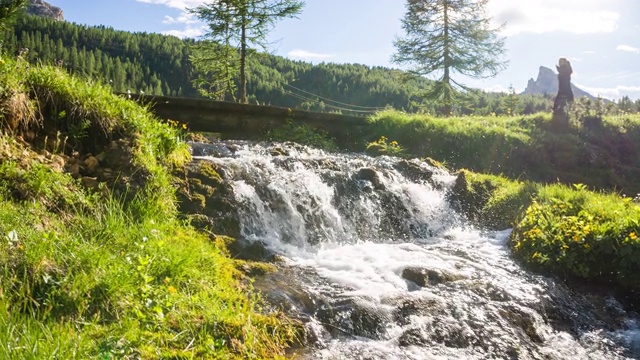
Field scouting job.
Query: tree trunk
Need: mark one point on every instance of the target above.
(446, 79)
(243, 61)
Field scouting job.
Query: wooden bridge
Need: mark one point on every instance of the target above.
(243, 121)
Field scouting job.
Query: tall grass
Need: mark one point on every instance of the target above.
(564, 230)
(97, 275)
(600, 154)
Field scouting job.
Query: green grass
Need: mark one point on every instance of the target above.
(568, 231)
(601, 154)
(577, 233)
(110, 274)
(302, 134)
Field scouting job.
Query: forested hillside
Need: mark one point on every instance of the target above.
(152, 63)
(159, 64)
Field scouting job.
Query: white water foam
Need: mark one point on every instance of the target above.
(488, 303)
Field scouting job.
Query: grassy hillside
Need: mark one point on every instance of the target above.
(94, 261)
(601, 152)
(563, 230)
(519, 165)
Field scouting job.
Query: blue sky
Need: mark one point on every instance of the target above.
(600, 37)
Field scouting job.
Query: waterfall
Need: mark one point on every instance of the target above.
(379, 265)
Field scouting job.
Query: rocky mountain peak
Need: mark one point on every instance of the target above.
(547, 83)
(43, 8)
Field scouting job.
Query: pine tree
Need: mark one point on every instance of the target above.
(9, 11)
(445, 36)
(240, 23)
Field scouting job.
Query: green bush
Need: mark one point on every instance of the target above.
(492, 201)
(383, 146)
(302, 134)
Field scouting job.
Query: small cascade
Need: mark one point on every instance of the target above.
(379, 265)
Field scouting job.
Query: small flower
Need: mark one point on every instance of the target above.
(633, 236)
(172, 290)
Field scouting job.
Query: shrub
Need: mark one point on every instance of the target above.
(302, 134)
(383, 146)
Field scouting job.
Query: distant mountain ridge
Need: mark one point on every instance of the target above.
(44, 9)
(547, 83)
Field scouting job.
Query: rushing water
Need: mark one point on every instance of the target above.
(379, 265)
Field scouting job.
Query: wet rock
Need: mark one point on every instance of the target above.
(451, 334)
(213, 149)
(234, 148)
(105, 174)
(201, 190)
(413, 337)
(327, 164)
(413, 171)
(90, 182)
(490, 291)
(354, 317)
(284, 290)
(74, 170)
(199, 221)
(524, 319)
(372, 176)
(91, 163)
(408, 307)
(278, 151)
(117, 154)
(424, 276)
(57, 163)
(250, 250)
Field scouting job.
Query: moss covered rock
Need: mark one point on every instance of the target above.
(202, 191)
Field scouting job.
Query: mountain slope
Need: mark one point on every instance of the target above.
(547, 83)
(43, 8)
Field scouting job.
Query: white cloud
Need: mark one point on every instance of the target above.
(176, 4)
(497, 88)
(544, 16)
(184, 18)
(613, 93)
(188, 32)
(307, 55)
(628, 49)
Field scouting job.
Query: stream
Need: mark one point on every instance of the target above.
(377, 263)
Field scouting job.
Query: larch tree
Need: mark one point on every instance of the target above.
(235, 24)
(9, 11)
(447, 36)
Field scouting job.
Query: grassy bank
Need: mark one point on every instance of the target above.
(562, 230)
(599, 152)
(539, 184)
(94, 261)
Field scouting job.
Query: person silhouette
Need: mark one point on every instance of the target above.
(565, 94)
